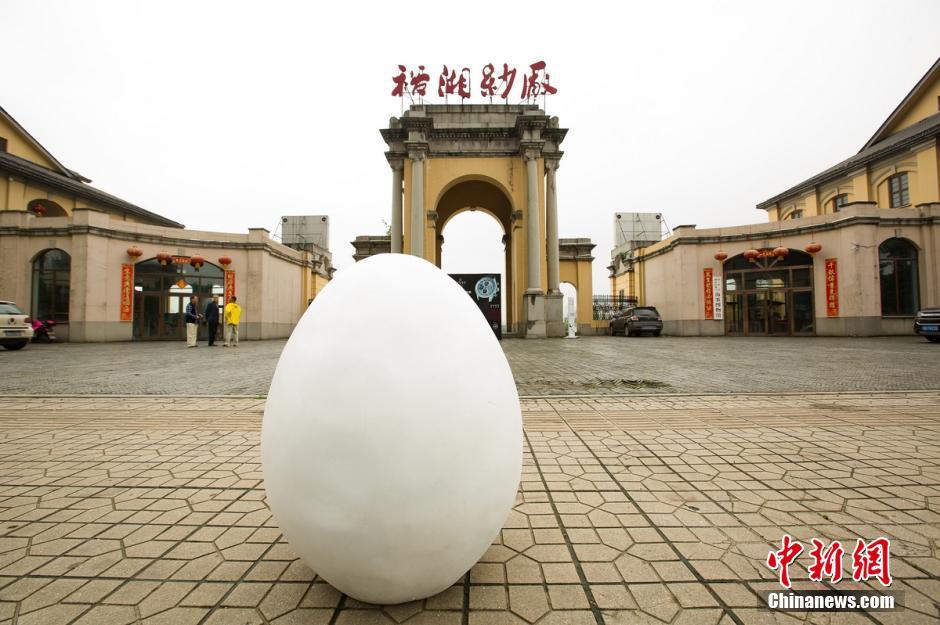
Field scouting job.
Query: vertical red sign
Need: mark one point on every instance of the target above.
(127, 291)
(229, 285)
(832, 288)
(709, 294)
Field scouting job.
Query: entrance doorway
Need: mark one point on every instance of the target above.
(770, 296)
(161, 295)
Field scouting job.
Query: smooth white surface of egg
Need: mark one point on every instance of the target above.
(392, 435)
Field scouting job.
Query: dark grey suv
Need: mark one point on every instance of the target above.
(927, 324)
(633, 321)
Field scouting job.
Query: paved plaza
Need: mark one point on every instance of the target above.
(654, 485)
(632, 509)
(593, 365)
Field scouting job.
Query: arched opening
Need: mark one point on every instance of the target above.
(569, 307)
(471, 243)
(897, 261)
(473, 223)
(161, 294)
(769, 296)
(46, 208)
(52, 274)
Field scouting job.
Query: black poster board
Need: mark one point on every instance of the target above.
(485, 289)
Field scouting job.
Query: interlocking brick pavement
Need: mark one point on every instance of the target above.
(631, 509)
(592, 365)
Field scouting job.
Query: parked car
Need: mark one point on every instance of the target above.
(16, 328)
(633, 321)
(927, 324)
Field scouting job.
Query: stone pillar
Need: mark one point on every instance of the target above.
(534, 278)
(417, 204)
(551, 225)
(397, 170)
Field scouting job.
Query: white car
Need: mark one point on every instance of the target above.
(16, 328)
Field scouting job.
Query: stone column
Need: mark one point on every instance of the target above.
(551, 225)
(417, 204)
(397, 170)
(534, 279)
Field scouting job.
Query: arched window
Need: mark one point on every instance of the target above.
(51, 275)
(899, 292)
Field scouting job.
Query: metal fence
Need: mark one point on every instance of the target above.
(606, 305)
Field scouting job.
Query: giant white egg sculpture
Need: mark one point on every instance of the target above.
(392, 436)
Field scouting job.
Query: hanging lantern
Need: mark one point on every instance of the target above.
(721, 256)
(39, 209)
(751, 255)
(781, 252)
(813, 248)
(197, 261)
(164, 259)
(225, 261)
(134, 252)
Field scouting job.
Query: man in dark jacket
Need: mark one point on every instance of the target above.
(212, 318)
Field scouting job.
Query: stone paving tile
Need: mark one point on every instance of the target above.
(588, 365)
(639, 509)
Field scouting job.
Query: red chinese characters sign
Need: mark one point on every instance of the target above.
(494, 80)
(229, 285)
(832, 288)
(709, 294)
(127, 291)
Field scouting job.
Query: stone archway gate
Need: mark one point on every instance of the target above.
(514, 149)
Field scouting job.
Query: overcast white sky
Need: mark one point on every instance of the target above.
(226, 115)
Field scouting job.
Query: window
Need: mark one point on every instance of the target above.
(898, 190)
(51, 275)
(839, 201)
(3, 144)
(898, 275)
(797, 214)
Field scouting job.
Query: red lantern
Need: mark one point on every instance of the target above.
(721, 256)
(781, 252)
(164, 259)
(225, 261)
(751, 255)
(39, 209)
(197, 261)
(134, 252)
(813, 248)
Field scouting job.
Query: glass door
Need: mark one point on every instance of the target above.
(778, 312)
(757, 313)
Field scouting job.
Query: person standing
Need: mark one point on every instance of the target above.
(212, 318)
(192, 320)
(233, 314)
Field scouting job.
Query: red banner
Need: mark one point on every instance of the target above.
(832, 288)
(127, 291)
(709, 294)
(229, 285)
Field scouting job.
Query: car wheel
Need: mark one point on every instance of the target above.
(933, 339)
(657, 332)
(15, 346)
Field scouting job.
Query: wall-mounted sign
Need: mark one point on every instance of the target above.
(832, 287)
(709, 298)
(718, 305)
(127, 291)
(460, 82)
(484, 289)
(181, 260)
(229, 285)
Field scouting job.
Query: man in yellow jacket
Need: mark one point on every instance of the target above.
(233, 314)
